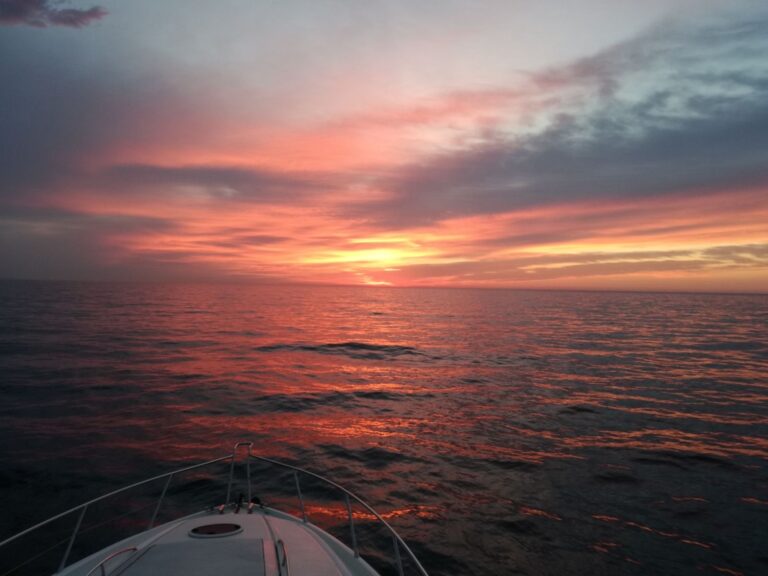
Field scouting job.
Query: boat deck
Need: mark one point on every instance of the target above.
(264, 542)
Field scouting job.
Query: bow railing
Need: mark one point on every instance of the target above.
(398, 543)
(79, 512)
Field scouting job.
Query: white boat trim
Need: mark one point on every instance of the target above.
(259, 523)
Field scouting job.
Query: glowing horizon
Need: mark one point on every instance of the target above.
(396, 147)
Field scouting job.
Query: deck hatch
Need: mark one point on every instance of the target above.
(236, 557)
(215, 530)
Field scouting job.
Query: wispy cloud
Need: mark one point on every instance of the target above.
(219, 183)
(43, 13)
(682, 108)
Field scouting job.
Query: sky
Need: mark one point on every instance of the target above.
(592, 144)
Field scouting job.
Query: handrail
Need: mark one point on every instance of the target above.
(397, 540)
(108, 558)
(362, 502)
(282, 558)
(108, 495)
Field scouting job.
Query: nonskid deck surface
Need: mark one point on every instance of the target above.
(270, 543)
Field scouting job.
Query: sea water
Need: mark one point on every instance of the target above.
(500, 432)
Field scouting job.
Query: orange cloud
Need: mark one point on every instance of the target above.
(652, 242)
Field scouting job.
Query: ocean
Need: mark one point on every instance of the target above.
(500, 432)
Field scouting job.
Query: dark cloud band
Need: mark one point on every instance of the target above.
(43, 13)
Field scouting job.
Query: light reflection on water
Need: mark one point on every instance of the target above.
(537, 432)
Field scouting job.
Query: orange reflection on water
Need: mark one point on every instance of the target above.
(649, 530)
(724, 570)
(752, 500)
(673, 440)
(732, 418)
(605, 518)
(321, 512)
(605, 547)
(531, 511)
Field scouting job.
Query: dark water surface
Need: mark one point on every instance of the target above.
(500, 432)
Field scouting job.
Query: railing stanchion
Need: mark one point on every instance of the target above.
(301, 498)
(398, 558)
(248, 472)
(413, 562)
(72, 539)
(247, 469)
(352, 526)
(231, 475)
(160, 502)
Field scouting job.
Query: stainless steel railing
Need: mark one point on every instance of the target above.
(397, 541)
(81, 509)
(101, 565)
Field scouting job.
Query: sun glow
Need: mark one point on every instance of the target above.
(393, 254)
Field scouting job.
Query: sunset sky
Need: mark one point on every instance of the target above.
(505, 143)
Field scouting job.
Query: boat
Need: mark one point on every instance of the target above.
(239, 535)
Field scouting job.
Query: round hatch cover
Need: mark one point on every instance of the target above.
(215, 530)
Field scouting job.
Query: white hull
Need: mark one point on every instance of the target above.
(271, 543)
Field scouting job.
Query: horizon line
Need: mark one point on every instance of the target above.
(241, 282)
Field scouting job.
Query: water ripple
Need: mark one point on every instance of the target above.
(500, 432)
